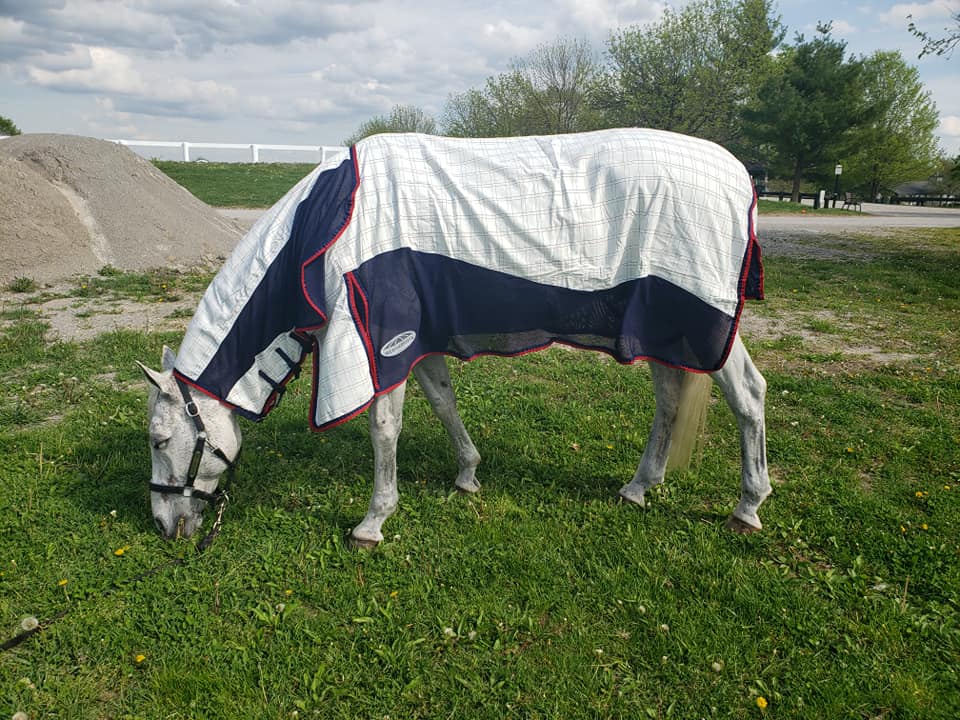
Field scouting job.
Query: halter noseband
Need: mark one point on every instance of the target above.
(218, 496)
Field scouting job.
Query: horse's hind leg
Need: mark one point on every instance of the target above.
(745, 389)
(434, 377)
(386, 421)
(666, 387)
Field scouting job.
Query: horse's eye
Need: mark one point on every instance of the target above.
(161, 444)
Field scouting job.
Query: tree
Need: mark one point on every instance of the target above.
(498, 110)
(899, 144)
(937, 46)
(542, 94)
(808, 109)
(558, 77)
(693, 71)
(403, 118)
(7, 127)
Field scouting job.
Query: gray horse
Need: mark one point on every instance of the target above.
(406, 248)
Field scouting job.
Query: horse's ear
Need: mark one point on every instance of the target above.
(169, 359)
(160, 381)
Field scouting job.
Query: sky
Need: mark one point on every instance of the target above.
(311, 71)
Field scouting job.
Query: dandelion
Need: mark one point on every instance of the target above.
(394, 594)
(761, 702)
(902, 529)
(716, 666)
(120, 551)
(288, 592)
(609, 447)
(923, 527)
(29, 624)
(946, 487)
(63, 583)
(139, 659)
(849, 449)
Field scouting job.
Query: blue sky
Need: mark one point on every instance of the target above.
(309, 72)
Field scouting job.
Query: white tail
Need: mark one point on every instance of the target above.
(691, 420)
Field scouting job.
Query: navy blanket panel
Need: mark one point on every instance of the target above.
(464, 310)
(277, 301)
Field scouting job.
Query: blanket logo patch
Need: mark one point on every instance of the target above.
(397, 344)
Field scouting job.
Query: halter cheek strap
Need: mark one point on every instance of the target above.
(188, 490)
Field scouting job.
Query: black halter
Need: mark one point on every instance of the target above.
(218, 496)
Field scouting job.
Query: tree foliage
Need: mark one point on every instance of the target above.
(937, 45)
(899, 143)
(7, 127)
(403, 118)
(542, 94)
(808, 109)
(693, 71)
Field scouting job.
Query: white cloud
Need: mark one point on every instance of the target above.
(598, 17)
(102, 70)
(842, 28)
(896, 16)
(950, 126)
(506, 36)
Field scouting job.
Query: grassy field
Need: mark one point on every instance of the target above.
(236, 184)
(542, 597)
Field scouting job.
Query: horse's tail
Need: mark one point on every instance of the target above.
(691, 420)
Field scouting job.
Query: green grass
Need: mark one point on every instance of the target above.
(775, 207)
(541, 597)
(236, 184)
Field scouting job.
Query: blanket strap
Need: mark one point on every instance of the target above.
(279, 388)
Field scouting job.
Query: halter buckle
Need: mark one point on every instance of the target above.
(191, 409)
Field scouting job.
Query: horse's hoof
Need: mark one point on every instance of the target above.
(362, 543)
(467, 487)
(632, 497)
(739, 526)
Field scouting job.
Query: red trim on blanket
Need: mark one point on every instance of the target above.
(469, 358)
(341, 231)
(203, 390)
(362, 324)
(752, 245)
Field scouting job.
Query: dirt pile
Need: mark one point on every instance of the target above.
(71, 204)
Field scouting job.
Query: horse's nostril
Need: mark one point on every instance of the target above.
(159, 524)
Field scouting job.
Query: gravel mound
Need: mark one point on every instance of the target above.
(71, 205)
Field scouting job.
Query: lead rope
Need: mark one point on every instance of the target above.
(201, 546)
(222, 498)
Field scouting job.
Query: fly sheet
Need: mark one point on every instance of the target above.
(637, 243)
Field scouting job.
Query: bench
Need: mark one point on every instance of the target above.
(852, 201)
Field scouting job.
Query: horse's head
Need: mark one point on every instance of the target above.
(190, 434)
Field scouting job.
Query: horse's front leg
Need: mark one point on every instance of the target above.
(434, 377)
(745, 390)
(386, 421)
(666, 387)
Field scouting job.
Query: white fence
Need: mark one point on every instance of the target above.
(318, 152)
